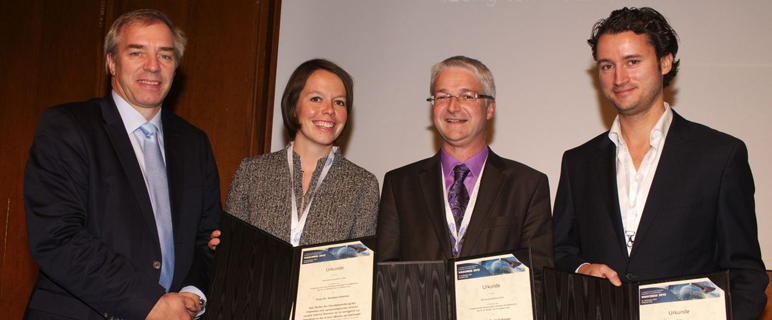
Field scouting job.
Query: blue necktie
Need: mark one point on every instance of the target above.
(155, 175)
(458, 198)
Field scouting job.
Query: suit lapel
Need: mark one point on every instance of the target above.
(607, 183)
(666, 177)
(490, 187)
(175, 169)
(431, 185)
(116, 131)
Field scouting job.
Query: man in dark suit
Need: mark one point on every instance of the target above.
(465, 200)
(121, 196)
(657, 195)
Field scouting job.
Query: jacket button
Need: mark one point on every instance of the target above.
(157, 265)
(630, 277)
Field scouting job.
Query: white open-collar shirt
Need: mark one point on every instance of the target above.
(633, 185)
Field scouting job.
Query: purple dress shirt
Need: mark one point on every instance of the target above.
(474, 163)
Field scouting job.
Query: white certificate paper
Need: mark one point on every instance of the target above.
(335, 282)
(681, 300)
(495, 287)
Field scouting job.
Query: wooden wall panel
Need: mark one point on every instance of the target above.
(47, 59)
(51, 53)
(49, 50)
(265, 76)
(17, 278)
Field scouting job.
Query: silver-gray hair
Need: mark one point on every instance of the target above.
(478, 68)
(144, 17)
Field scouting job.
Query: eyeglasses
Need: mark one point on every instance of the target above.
(466, 97)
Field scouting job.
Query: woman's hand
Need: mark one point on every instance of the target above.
(215, 240)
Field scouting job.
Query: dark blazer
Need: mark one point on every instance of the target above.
(512, 212)
(699, 216)
(90, 221)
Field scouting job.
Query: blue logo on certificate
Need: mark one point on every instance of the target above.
(336, 253)
(680, 292)
(487, 268)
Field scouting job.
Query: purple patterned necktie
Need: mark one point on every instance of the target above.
(458, 198)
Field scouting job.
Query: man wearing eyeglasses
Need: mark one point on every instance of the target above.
(465, 200)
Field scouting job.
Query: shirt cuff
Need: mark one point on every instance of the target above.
(577, 268)
(197, 292)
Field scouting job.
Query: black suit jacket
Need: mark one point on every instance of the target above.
(512, 212)
(90, 222)
(699, 216)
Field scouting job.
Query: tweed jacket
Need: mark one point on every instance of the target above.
(345, 205)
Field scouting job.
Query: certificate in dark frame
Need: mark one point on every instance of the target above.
(574, 296)
(256, 274)
(417, 290)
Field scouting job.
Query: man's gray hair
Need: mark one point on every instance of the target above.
(478, 68)
(144, 17)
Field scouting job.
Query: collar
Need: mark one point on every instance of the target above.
(658, 132)
(475, 162)
(132, 119)
(295, 155)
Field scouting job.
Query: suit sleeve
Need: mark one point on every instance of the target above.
(203, 257)
(56, 191)
(388, 224)
(738, 243)
(537, 234)
(367, 209)
(537, 230)
(566, 240)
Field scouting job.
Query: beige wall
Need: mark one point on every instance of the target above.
(547, 98)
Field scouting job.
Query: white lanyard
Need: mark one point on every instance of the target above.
(458, 235)
(299, 223)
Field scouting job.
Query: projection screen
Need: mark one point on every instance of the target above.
(547, 99)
